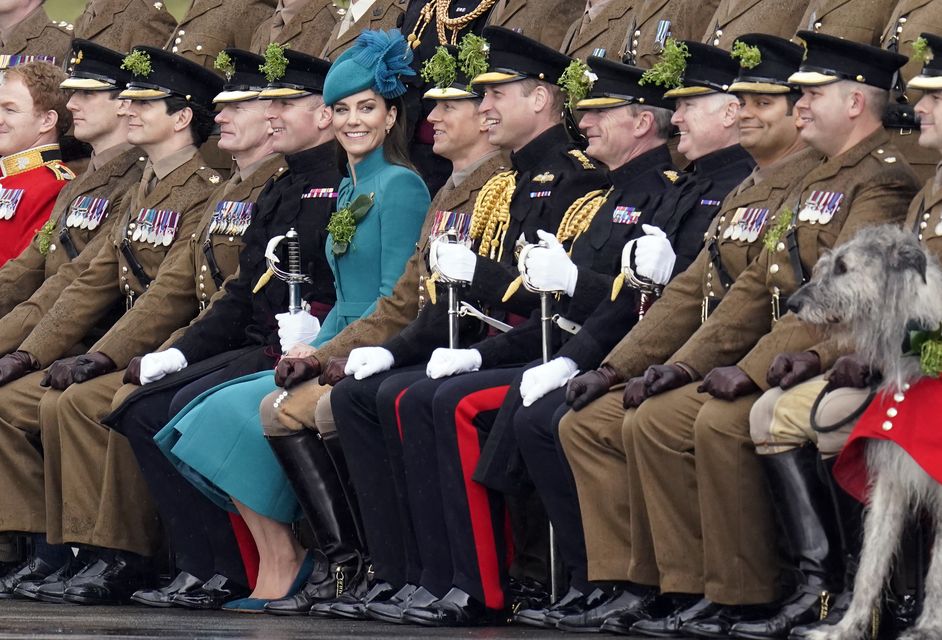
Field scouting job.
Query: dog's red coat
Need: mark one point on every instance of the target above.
(912, 419)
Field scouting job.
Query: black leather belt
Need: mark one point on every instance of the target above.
(133, 264)
(65, 240)
(213, 265)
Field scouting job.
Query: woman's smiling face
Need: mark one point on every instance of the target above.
(360, 123)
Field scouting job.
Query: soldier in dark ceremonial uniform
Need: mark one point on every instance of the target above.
(237, 335)
(544, 22)
(426, 27)
(27, 30)
(158, 216)
(363, 15)
(711, 525)
(121, 24)
(31, 171)
(303, 25)
(548, 175)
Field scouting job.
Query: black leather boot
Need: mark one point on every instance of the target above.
(806, 517)
(328, 504)
(850, 531)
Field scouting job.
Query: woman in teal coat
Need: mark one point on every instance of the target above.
(217, 440)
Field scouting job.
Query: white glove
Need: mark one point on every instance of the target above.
(155, 366)
(450, 362)
(654, 256)
(294, 328)
(453, 261)
(539, 381)
(364, 362)
(548, 268)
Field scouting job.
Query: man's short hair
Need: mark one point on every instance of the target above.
(42, 79)
(662, 119)
(528, 85)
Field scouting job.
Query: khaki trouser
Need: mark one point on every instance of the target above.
(706, 497)
(306, 406)
(23, 497)
(781, 421)
(96, 493)
(603, 470)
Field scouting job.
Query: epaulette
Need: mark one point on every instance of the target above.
(582, 159)
(210, 175)
(61, 171)
(881, 154)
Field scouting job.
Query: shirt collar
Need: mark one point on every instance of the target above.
(457, 177)
(101, 159)
(165, 166)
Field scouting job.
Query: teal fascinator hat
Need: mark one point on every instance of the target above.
(377, 60)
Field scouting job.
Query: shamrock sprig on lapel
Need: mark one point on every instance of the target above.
(343, 223)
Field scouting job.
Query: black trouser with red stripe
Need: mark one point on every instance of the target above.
(365, 414)
(444, 425)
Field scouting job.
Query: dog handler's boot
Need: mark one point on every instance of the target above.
(807, 518)
(321, 492)
(849, 527)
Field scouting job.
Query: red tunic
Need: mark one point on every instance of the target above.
(909, 419)
(31, 181)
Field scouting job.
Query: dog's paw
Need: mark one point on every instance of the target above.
(827, 632)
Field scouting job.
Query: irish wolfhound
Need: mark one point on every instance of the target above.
(865, 292)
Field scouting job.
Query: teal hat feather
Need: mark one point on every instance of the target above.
(377, 60)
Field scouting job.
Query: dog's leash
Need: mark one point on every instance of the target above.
(852, 417)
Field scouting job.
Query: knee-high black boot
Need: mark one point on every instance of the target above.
(322, 492)
(807, 519)
(849, 527)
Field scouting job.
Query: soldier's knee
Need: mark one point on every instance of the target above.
(760, 416)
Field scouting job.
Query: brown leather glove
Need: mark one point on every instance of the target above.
(333, 372)
(68, 371)
(132, 374)
(850, 371)
(789, 369)
(292, 371)
(590, 386)
(635, 393)
(727, 383)
(15, 365)
(659, 378)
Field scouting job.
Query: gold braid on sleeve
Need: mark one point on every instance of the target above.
(491, 215)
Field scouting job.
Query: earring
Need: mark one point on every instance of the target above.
(388, 129)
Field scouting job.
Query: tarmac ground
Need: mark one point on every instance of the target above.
(23, 619)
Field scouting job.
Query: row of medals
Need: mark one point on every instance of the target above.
(83, 217)
(746, 230)
(156, 235)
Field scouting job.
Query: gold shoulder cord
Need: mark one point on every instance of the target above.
(439, 8)
(575, 221)
(491, 215)
(580, 215)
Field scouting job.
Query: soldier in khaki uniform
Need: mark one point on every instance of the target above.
(302, 25)
(159, 215)
(362, 15)
(908, 20)
(81, 220)
(210, 26)
(709, 516)
(857, 20)
(618, 544)
(601, 29)
(121, 24)
(736, 17)
(654, 20)
(546, 22)
(820, 520)
(26, 29)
